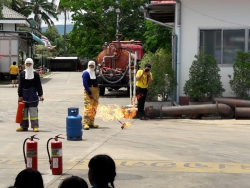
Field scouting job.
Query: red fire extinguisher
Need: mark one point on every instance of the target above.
(56, 160)
(20, 111)
(31, 152)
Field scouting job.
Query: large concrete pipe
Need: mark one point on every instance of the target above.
(242, 112)
(233, 102)
(221, 109)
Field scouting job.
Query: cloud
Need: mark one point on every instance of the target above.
(60, 20)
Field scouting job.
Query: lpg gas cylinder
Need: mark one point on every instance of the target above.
(74, 124)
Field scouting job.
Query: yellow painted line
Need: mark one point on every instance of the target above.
(141, 165)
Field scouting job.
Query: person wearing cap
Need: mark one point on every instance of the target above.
(91, 96)
(30, 91)
(13, 74)
(143, 79)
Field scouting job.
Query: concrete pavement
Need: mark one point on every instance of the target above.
(155, 153)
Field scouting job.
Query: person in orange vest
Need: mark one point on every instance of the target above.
(13, 74)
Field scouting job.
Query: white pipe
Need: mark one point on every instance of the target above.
(134, 82)
(178, 33)
(130, 78)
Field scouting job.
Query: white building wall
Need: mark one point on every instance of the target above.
(9, 27)
(212, 14)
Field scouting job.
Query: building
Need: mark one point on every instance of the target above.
(222, 27)
(18, 36)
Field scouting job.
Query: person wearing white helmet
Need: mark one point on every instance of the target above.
(91, 96)
(30, 91)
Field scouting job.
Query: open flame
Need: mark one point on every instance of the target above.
(112, 112)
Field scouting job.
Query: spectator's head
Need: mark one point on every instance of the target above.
(14, 63)
(73, 182)
(102, 171)
(29, 178)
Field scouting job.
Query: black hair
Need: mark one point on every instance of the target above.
(29, 178)
(147, 65)
(104, 170)
(14, 63)
(73, 181)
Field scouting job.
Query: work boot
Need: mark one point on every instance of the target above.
(86, 127)
(36, 130)
(20, 129)
(94, 126)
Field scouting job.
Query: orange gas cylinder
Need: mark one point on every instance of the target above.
(20, 111)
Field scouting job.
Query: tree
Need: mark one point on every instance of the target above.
(204, 78)
(42, 10)
(65, 11)
(240, 83)
(164, 80)
(16, 5)
(95, 23)
(52, 34)
(157, 36)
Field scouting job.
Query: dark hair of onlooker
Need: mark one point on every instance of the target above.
(14, 63)
(73, 182)
(147, 65)
(102, 171)
(29, 178)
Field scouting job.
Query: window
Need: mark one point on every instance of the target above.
(223, 44)
(1, 27)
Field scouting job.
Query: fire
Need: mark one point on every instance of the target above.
(109, 112)
(129, 113)
(112, 112)
(126, 124)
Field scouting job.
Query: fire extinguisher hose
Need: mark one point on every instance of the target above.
(48, 151)
(25, 160)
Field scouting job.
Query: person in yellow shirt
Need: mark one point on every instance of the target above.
(143, 79)
(13, 74)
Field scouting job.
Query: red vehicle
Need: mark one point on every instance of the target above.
(116, 62)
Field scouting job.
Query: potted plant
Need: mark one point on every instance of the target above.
(204, 79)
(164, 80)
(240, 83)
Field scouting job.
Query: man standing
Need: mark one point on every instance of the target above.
(143, 79)
(13, 74)
(30, 91)
(91, 96)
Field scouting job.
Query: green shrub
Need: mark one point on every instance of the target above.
(240, 84)
(163, 84)
(204, 78)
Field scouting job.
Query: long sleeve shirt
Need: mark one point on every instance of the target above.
(26, 84)
(87, 82)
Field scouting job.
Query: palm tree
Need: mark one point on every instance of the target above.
(16, 5)
(42, 10)
(65, 11)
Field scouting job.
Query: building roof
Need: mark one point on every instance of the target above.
(161, 11)
(11, 14)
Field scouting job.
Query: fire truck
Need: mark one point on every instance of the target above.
(117, 63)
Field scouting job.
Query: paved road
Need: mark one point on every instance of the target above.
(173, 153)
